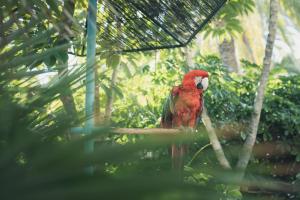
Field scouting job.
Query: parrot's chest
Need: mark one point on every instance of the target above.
(190, 100)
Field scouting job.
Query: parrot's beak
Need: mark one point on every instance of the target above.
(204, 82)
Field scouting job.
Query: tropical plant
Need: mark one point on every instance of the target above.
(226, 27)
(38, 161)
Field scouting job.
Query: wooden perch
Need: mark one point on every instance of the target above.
(147, 131)
(133, 131)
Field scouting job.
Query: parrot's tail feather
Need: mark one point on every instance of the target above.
(178, 156)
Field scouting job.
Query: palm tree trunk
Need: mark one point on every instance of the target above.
(1, 25)
(199, 42)
(110, 96)
(97, 112)
(67, 99)
(66, 96)
(248, 46)
(244, 157)
(188, 53)
(228, 54)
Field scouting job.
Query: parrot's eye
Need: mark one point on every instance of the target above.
(197, 81)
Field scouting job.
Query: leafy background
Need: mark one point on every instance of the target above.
(38, 160)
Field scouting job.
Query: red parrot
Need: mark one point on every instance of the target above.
(183, 108)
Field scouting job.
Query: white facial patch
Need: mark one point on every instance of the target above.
(197, 80)
(204, 82)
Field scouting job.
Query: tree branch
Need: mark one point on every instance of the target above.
(246, 152)
(214, 140)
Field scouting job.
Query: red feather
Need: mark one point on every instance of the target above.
(183, 108)
(185, 102)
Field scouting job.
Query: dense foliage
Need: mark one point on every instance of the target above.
(229, 101)
(40, 159)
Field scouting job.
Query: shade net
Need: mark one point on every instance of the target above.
(140, 25)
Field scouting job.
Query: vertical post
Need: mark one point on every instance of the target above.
(90, 76)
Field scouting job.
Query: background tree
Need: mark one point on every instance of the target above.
(258, 103)
(225, 27)
(65, 36)
(112, 62)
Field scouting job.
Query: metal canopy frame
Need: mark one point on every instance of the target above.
(130, 13)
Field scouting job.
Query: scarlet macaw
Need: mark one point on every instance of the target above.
(183, 108)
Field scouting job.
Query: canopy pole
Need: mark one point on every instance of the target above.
(90, 76)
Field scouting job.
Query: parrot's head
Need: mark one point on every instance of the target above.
(196, 79)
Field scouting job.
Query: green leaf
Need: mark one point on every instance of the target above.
(298, 158)
(105, 88)
(235, 194)
(53, 6)
(62, 56)
(50, 60)
(36, 63)
(113, 60)
(243, 135)
(207, 33)
(118, 91)
(126, 70)
(146, 69)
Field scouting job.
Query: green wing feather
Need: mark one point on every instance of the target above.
(199, 114)
(168, 111)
